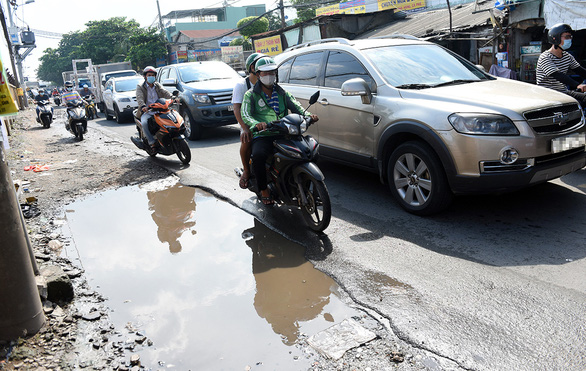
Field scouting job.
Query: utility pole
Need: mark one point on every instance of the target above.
(163, 33)
(283, 24)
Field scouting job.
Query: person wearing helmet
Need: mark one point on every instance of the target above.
(146, 94)
(41, 95)
(69, 94)
(554, 64)
(85, 91)
(266, 102)
(245, 134)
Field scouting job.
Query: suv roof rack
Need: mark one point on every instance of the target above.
(397, 36)
(340, 40)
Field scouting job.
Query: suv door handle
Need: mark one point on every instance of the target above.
(324, 102)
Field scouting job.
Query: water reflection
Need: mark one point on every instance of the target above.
(289, 290)
(173, 210)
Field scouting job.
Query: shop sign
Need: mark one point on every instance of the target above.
(191, 56)
(232, 54)
(328, 10)
(181, 56)
(173, 58)
(269, 45)
(401, 4)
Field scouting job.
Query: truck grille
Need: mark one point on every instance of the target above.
(553, 120)
(221, 98)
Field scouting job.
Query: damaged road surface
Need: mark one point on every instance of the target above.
(207, 284)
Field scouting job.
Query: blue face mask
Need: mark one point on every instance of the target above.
(150, 79)
(567, 44)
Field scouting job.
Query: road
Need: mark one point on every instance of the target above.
(494, 283)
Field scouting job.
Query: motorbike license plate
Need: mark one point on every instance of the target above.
(568, 142)
(230, 108)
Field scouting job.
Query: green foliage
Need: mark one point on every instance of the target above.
(274, 20)
(259, 26)
(147, 45)
(244, 41)
(110, 40)
(304, 13)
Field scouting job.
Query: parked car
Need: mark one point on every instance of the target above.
(120, 97)
(205, 91)
(429, 122)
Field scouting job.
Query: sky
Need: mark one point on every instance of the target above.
(62, 17)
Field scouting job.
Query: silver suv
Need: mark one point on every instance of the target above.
(429, 122)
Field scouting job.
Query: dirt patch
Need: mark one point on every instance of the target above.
(78, 333)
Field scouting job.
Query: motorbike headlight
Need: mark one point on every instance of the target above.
(303, 127)
(293, 129)
(124, 99)
(201, 98)
(482, 124)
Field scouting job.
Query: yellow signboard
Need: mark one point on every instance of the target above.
(328, 10)
(400, 4)
(269, 45)
(7, 105)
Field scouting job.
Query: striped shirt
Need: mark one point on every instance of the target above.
(273, 101)
(547, 64)
(69, 96)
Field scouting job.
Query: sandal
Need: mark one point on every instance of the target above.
(243, 183)
(268, 201)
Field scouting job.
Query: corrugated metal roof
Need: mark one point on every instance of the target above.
(434, 22)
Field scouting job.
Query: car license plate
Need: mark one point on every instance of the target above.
(568, 142)
(230, 108)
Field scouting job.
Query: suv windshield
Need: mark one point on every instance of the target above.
(128, 85)
(422, 66)
(206, 71)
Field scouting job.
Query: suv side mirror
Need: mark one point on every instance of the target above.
(242, 73)
(357, 86)
(168, 82)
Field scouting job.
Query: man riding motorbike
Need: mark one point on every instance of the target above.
(41, 96)
(264, 103)
(554, 64)
(146, 94)
(69, 94)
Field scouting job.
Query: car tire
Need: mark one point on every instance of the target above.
(193, 130)
(118, 115)
(417, 179)
(108, 115)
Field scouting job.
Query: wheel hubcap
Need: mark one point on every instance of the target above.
(412, 179)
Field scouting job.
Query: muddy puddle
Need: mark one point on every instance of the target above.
(206, 282)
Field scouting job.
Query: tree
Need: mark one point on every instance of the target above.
(274, 21)
(244, 41)
(259, 26)
(306, 12)
(147, 45)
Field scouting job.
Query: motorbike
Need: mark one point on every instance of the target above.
(45, 116)
(293, 178)
(76, 122)
(57, 99)
(168, 129)
(90, 107)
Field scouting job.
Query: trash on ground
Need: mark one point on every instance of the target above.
(30, 210)
(334, 341)
(36, 168)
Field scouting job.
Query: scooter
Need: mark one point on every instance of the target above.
(293, 178)
(76, 122)
(168, 130)
(45, 116)
(90, 107)
(57, 100)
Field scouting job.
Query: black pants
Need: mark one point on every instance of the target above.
(579, 96)
(262, 148)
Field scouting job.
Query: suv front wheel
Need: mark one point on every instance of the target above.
(417, 179)
(193, 130)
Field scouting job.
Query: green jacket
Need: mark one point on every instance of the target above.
(255, 108)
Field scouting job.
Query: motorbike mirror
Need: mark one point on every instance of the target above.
(176, 93)
(314, 98)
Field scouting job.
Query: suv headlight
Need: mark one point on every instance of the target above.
(482, 124)
(124, 100)
(201, 98)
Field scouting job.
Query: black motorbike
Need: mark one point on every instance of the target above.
(57, 100)
(293, 178)
(45, 116)
(76, 122)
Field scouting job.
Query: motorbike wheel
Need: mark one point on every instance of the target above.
(318, 211)
(46, 122)
(79, 132)
(182, 150)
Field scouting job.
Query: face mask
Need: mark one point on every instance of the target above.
(150, 79)
(567, 44)
(268, 80)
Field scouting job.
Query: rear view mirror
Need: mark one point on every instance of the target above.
(357, 86)
(168, 82)
(314, 98)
